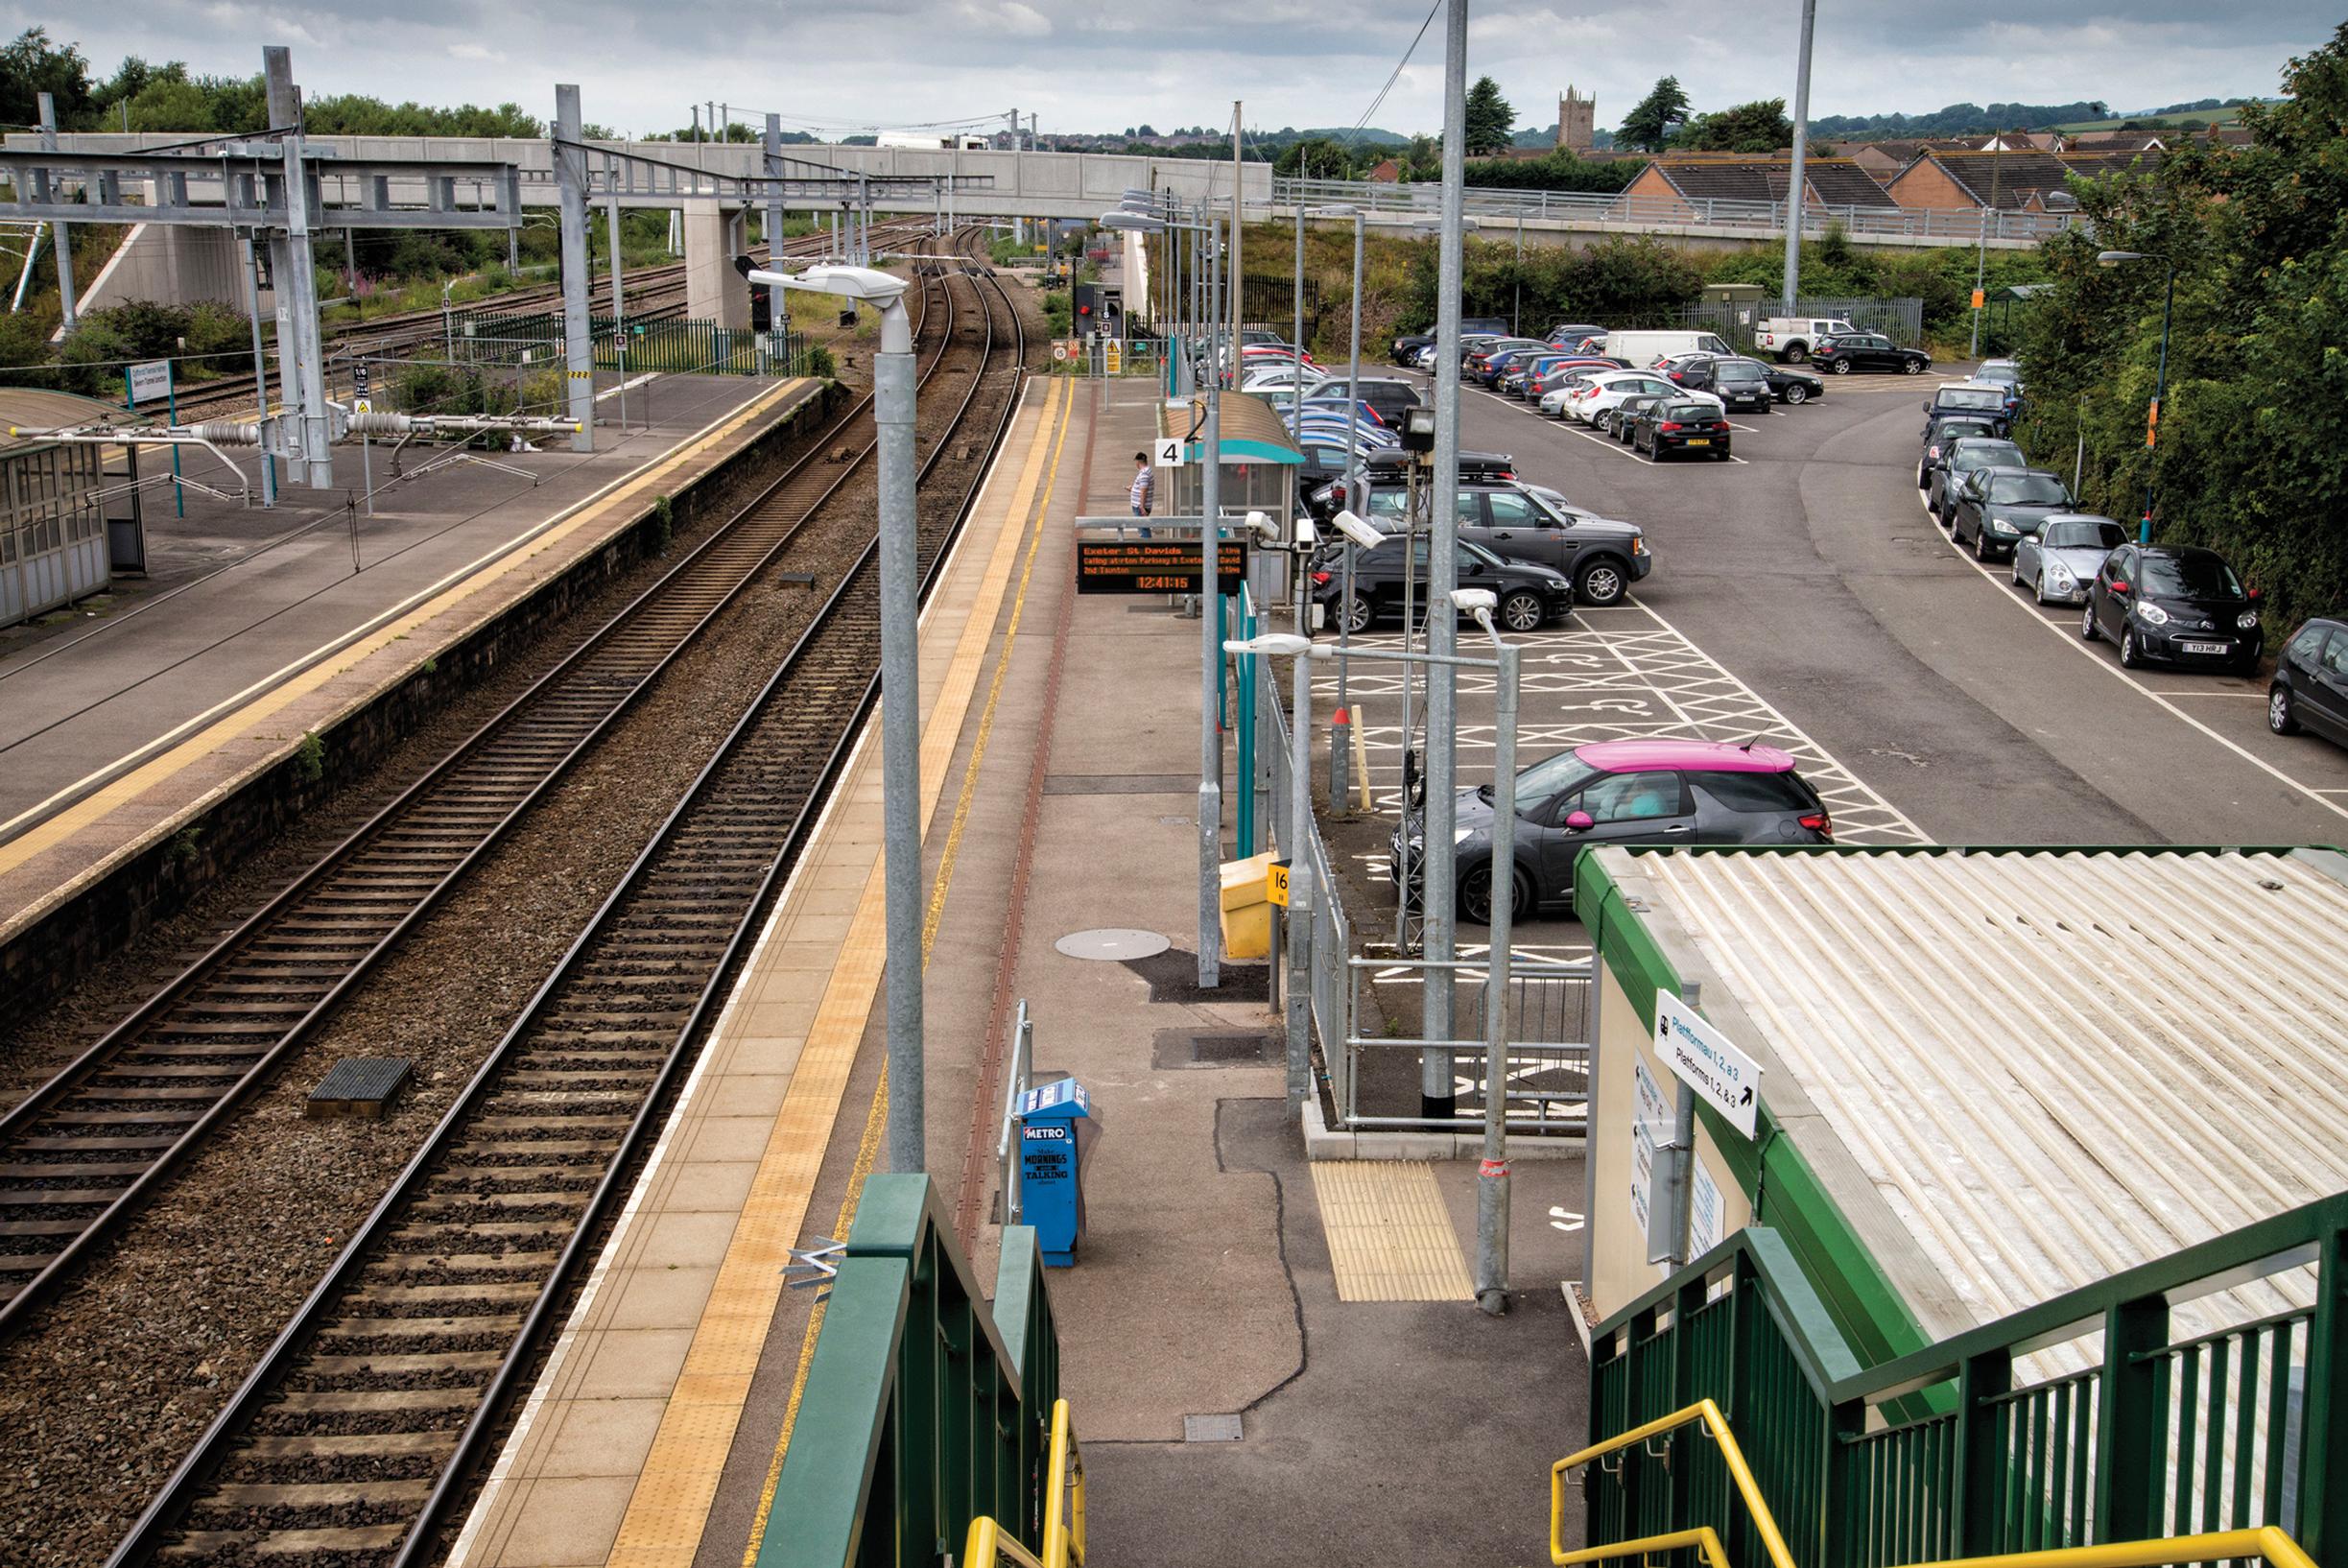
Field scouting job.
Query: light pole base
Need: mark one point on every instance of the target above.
(1438, 1109)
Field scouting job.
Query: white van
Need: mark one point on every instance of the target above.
(1640, 349)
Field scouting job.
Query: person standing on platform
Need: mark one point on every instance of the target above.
(1144, 480)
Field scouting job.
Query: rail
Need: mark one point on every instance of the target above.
(926, 1412)
(1703, 1414)
(1006, 1138)
(1632, 213)
(2199, 1392)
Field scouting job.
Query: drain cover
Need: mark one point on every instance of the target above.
(1115, 943)
(1210, 1429)
(360, 1086)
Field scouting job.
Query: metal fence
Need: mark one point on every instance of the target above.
(665, 343)
(1901, 320)
(1634, 213)
(1106, 358)
(1547, 1062)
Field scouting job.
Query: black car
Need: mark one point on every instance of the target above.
(1404, 350)
(1994, 508)
(1944, 434)
(1627, 413)
(2173, 606)
(1665, 426)
(1599, 555)
(1737, 382)
(1529, 596)
(2309, 690)
(1793, 386)
(1961, 458)
(1868, 351)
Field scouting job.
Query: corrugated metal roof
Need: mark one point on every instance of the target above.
(2049, 1066)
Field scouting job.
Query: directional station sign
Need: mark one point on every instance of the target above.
(1702, 1058)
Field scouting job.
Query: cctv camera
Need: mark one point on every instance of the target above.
(1468, 601)
(1307, 535)
(1358, 530)
(1261, 525)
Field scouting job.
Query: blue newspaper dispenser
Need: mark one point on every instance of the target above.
(1052, 1165)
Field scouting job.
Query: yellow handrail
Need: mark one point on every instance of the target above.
(1063, 1543)
(2267, 1541)
(1716, 1423)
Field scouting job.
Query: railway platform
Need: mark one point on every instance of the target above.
(125, 720)
(1241, 1325)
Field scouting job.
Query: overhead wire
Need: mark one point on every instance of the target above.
(1399, 67)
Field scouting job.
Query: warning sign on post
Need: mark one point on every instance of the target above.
(1723, 1077)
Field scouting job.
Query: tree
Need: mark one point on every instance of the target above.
(30, 66)
(1758, 127)
(1316, 158)
(1489, 118)
(1650, 125)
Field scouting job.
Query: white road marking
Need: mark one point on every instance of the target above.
(2070, 639)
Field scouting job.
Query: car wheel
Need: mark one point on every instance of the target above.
(1603, 420)
(1601, 582)
(1842, 366)
(2131, 655)
(1359, 613)
(2279, 710)
(1924, 477)
(2089, 631)
(1914, 366)
(1475, 900)
(1797, 394)
(1980, 546)
(1796, 353)
(1522, 611)
(2016, 573)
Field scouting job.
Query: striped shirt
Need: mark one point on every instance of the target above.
(1141, 492)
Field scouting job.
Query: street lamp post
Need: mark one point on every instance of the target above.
(1492, 1174)
(1340, 757)
(892, 413)
(2160, 381)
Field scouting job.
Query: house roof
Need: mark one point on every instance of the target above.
(1837, 182)
(2015, 179)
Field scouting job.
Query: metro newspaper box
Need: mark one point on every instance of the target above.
(1052, 1151)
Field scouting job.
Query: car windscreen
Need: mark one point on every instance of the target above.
(1955, 430)
(1739, 369)
(2084, 536)
(2029, 490)
(1968, 397)
(2004, 375)
(2190, 577)
(1549, 779)
(1697, 413)
(1479, 554)
(1981, 453)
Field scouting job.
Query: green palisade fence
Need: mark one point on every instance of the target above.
(673, 345)
(924, 1408)
(1946, 1452)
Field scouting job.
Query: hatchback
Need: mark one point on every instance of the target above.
(1640, 792)
(2309, 690)
(2179, 606)
(1672, 426)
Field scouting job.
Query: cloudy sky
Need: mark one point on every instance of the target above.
(1107, 65)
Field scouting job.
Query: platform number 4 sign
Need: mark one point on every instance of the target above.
(1169, 453)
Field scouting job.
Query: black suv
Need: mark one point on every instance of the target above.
(1529, 596)
(2179, 606)
(1389, 470)
(1406, 347)
(1599, 555)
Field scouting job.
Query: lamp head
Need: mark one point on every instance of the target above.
(865, 283)
(2115, 258)
(1138, 221)
(1474, 601)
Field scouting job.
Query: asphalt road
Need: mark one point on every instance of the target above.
(1809, 569)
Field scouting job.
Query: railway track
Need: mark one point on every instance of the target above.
(361, 1429)
(83, 1152)
(653, 292)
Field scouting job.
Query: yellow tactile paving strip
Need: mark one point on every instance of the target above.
(652, 1375)
(627, 491)
(1389, 1237)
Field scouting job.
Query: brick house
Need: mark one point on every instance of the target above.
(1830, 184)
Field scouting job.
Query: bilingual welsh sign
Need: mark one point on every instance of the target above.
(1152, 565)
(1702, 1058)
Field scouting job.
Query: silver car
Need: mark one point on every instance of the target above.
(2059, 561)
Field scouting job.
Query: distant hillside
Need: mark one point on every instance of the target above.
(1366, 137)
(1957, 120)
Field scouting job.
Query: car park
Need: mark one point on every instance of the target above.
(1487, 363)
(1868, 351)
(1996, 507)
(2059, 561)
(1602, 557)
(1575, 335)
(1564, 371)
(2173, 605)
(2310, 689)
(1671, 426)
(1407, 348)
(1617, 792)
(1529, 597)
(1391, 397)
(1388, 469)
(1942, 435)
(1962, 459)
(1627, 413)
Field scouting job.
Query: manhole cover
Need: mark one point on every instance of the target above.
(1210, 1429)
(1115, 943)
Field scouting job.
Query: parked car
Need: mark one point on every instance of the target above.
(1736, 381)
(1868, 351)
(1487, 363)
(1963, 457)
(1997, 507)
(2059, 561)
(1391, 397)
(1612, 793)
(1405, 348)
(1626, 416)
(1561, 371)
(1598, 396)
(1572, 335)
(2309, 690)
(1646, 347)
(1789, 338)
(1389, 470)
(1968, 399)
(1942, 435)
(1531, 596)
(1793, 386)
(1532, 523)
(2005, 373)
(1672, 425)
(2173, 605)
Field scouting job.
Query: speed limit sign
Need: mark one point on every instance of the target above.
(1059, 351)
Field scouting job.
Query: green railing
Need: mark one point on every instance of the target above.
(923, 1408)
(673, 345)
(2085, 1421)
